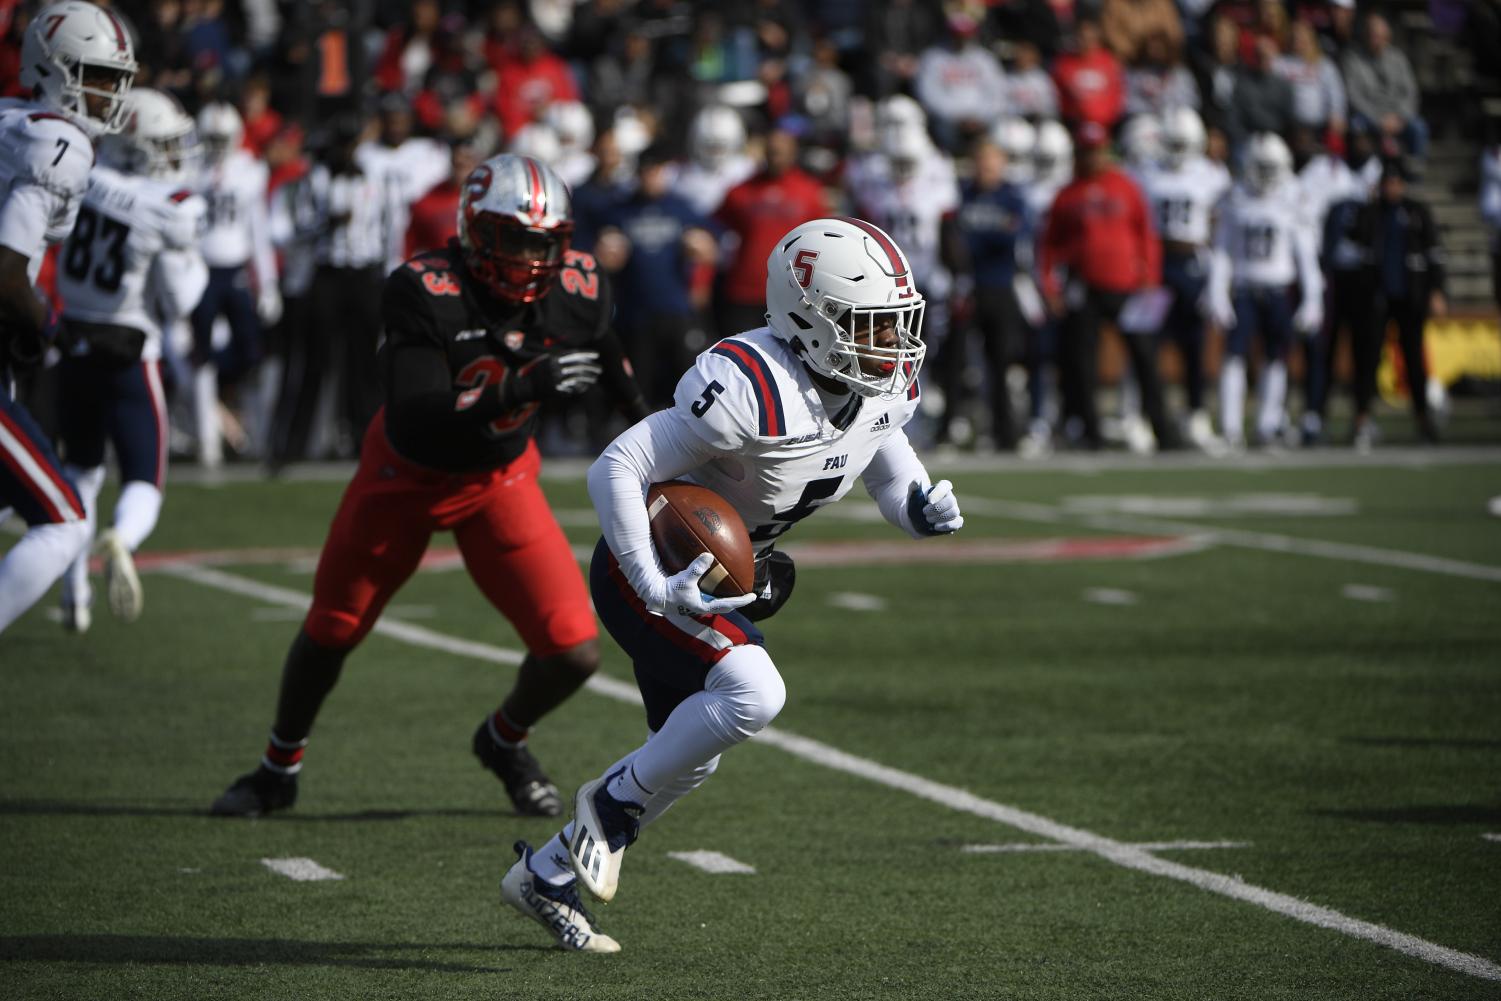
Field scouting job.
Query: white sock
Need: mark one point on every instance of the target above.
(627, 788)
(1272, 393)
(76, 590)
(32, 564)
(136, 512)
(1130, 397)
(550, 863)
(1233, 398)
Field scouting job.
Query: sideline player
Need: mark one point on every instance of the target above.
(477, 338)
(129, 271)
(762, 419)
(77, 64)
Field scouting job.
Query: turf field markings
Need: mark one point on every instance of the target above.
(961, 800)
(1491, 837)
(300, 870)
(1109, 596)
(1022, 847)
(1264, 541)
(1367, 592)
(855, 601)
(714, 863)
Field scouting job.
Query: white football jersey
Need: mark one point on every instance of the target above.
(783, 454)
(1183, 198)
(1264, 237)
(124, 262)
(704, 188)
(911, 210)
(236, 232)
(44, 170)
(1328, 180)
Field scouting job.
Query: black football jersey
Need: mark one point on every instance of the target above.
(449, 346)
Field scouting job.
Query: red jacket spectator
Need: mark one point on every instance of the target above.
(435, 219)
(1091, 84)
(760, 211)
(528, 79)
(1100, 229)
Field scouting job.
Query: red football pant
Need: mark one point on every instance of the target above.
(511, 544)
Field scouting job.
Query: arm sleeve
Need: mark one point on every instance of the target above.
(24, 218)
(1305, 249)
(1219, 254)
(661, 447)
(889, 478)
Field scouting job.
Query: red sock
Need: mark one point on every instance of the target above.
(283, 756)
(504, 731)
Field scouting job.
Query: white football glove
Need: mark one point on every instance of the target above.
(268, 305)
(1309, 318)
(684, 596)
(934, 510)
(575, 372)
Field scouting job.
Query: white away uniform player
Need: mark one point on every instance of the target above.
(779, 421)
(1264, 255)
(718, 161)
(76, 61)
(130, 269)
(1184, 189)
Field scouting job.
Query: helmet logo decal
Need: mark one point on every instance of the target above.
(513, 339)
(119, 33)
(538, 201)
(893, 255)
(56, 21)
(479, 182)
(802, 266)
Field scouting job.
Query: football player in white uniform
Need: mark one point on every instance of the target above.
(1184, 190)
(130, 269)
(409, 166)
(573, 124)
(779, 421)
(717, 159)
(77, 64)
(1264, 254)
(1052, 168)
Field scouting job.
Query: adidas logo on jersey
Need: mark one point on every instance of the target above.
(881, 423)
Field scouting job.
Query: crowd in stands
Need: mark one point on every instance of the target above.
(693, 133)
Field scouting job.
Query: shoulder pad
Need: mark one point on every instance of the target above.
(54, 153)
(422, 298)
(730, 396)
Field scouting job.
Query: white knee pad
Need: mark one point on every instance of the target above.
(750, 691)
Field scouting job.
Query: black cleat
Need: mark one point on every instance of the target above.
(531, 791)
(255, 794)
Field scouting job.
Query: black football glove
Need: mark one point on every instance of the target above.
(775, 577)
(566, 374)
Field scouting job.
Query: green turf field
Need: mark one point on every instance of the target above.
(1295, 669)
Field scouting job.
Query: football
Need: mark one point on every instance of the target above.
(688, 520)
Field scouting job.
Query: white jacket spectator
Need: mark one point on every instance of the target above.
(959, 85)
(1318, 90)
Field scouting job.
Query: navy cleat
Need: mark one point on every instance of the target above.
(531, 791)
(556, 908)
(603, 828)
(256, 793)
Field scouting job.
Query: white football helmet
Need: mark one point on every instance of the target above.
(905, 149)
(74, 51)
(716, 135)
(572, 123)
(1182, 135)
(537, 141)
(1053, 157)
(220, 130)
(158, 139)
(833, 287)
(515, 223)
(1268, 162)
(1141, 140)
(899, 111)
(1019, 139)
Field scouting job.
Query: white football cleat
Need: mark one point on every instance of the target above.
(76, 617)
(603, 828)
(556, 908)
(126, 599)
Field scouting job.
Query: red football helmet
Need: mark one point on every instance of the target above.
(515, 221)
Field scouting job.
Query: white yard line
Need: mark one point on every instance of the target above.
(714, 863)
(856, 601)
(300, 870)
(1022, 847)
(1491, 837)
(1265, 541)
(1122, 854)
(1109, 596)
(1367, 592)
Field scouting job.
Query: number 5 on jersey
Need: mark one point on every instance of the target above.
(701, 406)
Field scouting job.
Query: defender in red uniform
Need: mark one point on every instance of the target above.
(478, 336)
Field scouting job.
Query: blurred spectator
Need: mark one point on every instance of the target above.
(262, 122)
(1098, 248)
(997, 226)
(1263, 101)
(1383, 92)
(409, 166)
(595, 200)
(661, 256)
(1318, 90)
(1030, 92)
(1091, 86)
(896, 35)
(825, 92)
(409, 49)
(1158, 82)
(435, 216)
(1216, 67)
(1028, 22)
(527, 78)
(573, 124)
(960, 84)
(452, 101)
(758, 211)
(717, 160)
(1128, 24)
(626, 73)
(1404, 282)
(1339, 37)
(1490, 210)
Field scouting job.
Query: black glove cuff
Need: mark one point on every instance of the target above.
(777, 569)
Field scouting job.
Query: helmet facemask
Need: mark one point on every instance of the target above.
(858, 357)
(108, 84)
(517, 263)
